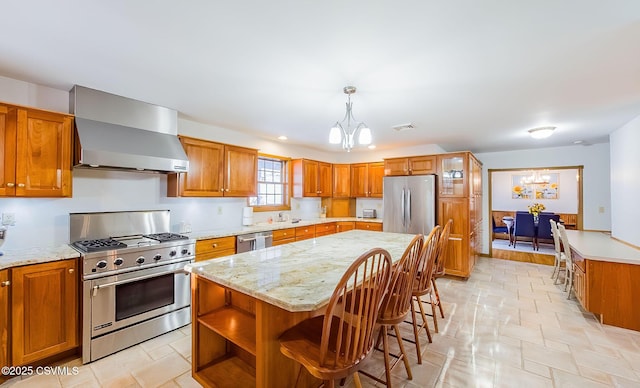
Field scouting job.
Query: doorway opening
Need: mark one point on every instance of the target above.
(557, 189)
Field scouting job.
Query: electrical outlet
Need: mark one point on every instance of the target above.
(219, 210)
(601, 209)
(8, 218)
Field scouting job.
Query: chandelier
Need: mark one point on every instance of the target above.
(535, 178)
(346, 130)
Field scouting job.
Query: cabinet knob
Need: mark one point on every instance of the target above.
(10, 184)
(20, 184)
(214, 245)
(71, 270)
(6, 283)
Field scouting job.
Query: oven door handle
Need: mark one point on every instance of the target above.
(117, 283)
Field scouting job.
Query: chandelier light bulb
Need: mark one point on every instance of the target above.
(335, 136)
(365, 136)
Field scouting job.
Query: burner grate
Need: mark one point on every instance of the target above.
(97, 245)
(163, 237)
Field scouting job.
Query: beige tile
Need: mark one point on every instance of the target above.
(165, 339)
(161, 351)
(563, 379)
(83, 377)
(604, 363)
(530, 334)
(595, 375)
(507, 375)
(122, 381)
(183, 346)
(40, 381)
(161, 371)
(119, 364)
(539, 369)
(549, 357)
(186, 381)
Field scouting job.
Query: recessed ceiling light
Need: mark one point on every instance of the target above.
(372, 147)
(578, 142)
(542, 132)
(282, 137)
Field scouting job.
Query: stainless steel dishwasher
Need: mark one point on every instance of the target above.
(253, 241)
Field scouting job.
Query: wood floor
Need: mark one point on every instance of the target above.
(544, 256)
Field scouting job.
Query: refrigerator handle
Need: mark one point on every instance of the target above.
(403, 213)
(408, 207)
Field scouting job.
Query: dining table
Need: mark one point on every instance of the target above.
(242, 303)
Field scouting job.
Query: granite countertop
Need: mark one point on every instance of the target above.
(264, 227)
(299, 276)
(37, 255)
(600, 246)
(18, 257)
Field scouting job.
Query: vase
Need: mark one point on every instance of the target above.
(536, 218)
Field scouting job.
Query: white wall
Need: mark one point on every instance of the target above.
(567, 201)
(27, 94)
(596, 180)
(625, 182)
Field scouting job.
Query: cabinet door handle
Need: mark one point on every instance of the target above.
(10, 184)
(6, 283)
(71, 270)
(20, 184)
(214, 245)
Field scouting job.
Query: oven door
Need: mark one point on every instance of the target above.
(121, 300)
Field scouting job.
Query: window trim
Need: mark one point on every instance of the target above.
(287, 186)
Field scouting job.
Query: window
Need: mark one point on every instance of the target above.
(273, 184)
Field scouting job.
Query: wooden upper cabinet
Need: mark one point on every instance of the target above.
(241, 171)
(366, 179)
(215, 170)
(44, 301)
(36, 151)
(416, 165)
(311, 178)
(453, 174)
(341, 180)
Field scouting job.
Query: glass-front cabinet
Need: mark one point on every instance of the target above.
(453, 174)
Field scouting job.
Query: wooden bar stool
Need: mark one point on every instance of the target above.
(396, 306)
(333, 346)
(439, 272)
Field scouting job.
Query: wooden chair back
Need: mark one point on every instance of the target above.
(350, 318)
(426, 266)
(442, 249)
(556, 236)
(397, 302)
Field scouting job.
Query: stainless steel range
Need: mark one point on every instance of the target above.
(134, 286)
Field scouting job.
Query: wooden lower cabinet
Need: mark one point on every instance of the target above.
(373, 226)
(4, 318)
(215, 247)
(305, 232)
(459, 259)
(284, 236)
(343, 226)
(45, 314)
(326, 229)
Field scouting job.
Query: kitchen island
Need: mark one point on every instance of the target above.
(606, 277)
(242, 303)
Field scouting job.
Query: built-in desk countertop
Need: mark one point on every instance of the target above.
(606, 273)
(242, 304)
(601, 247)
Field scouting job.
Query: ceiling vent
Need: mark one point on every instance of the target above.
(403, 127)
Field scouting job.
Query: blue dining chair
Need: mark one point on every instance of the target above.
(544, 226)
(524, 227)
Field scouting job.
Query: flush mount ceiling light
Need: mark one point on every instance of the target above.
(541, 133)
(345, 131)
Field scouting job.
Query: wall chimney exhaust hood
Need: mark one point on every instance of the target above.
(114, 132)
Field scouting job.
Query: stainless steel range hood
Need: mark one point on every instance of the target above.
(114, 132)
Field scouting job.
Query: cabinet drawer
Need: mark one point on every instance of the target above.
(343, 226)
(284, 241)
(305, 232)
(578, 261)
(215, 247)
(282, 234)
(325, 229)
(375, 226)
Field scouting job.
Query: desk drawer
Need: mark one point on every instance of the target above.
(325, 229)
(578, 261)
(375, 226)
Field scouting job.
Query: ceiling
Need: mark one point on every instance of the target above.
(469, 75)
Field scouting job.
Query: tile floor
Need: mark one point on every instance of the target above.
(507, 325)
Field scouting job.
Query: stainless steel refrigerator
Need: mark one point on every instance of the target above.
(409, 204)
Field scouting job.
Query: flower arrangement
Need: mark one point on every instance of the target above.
(536, 208)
